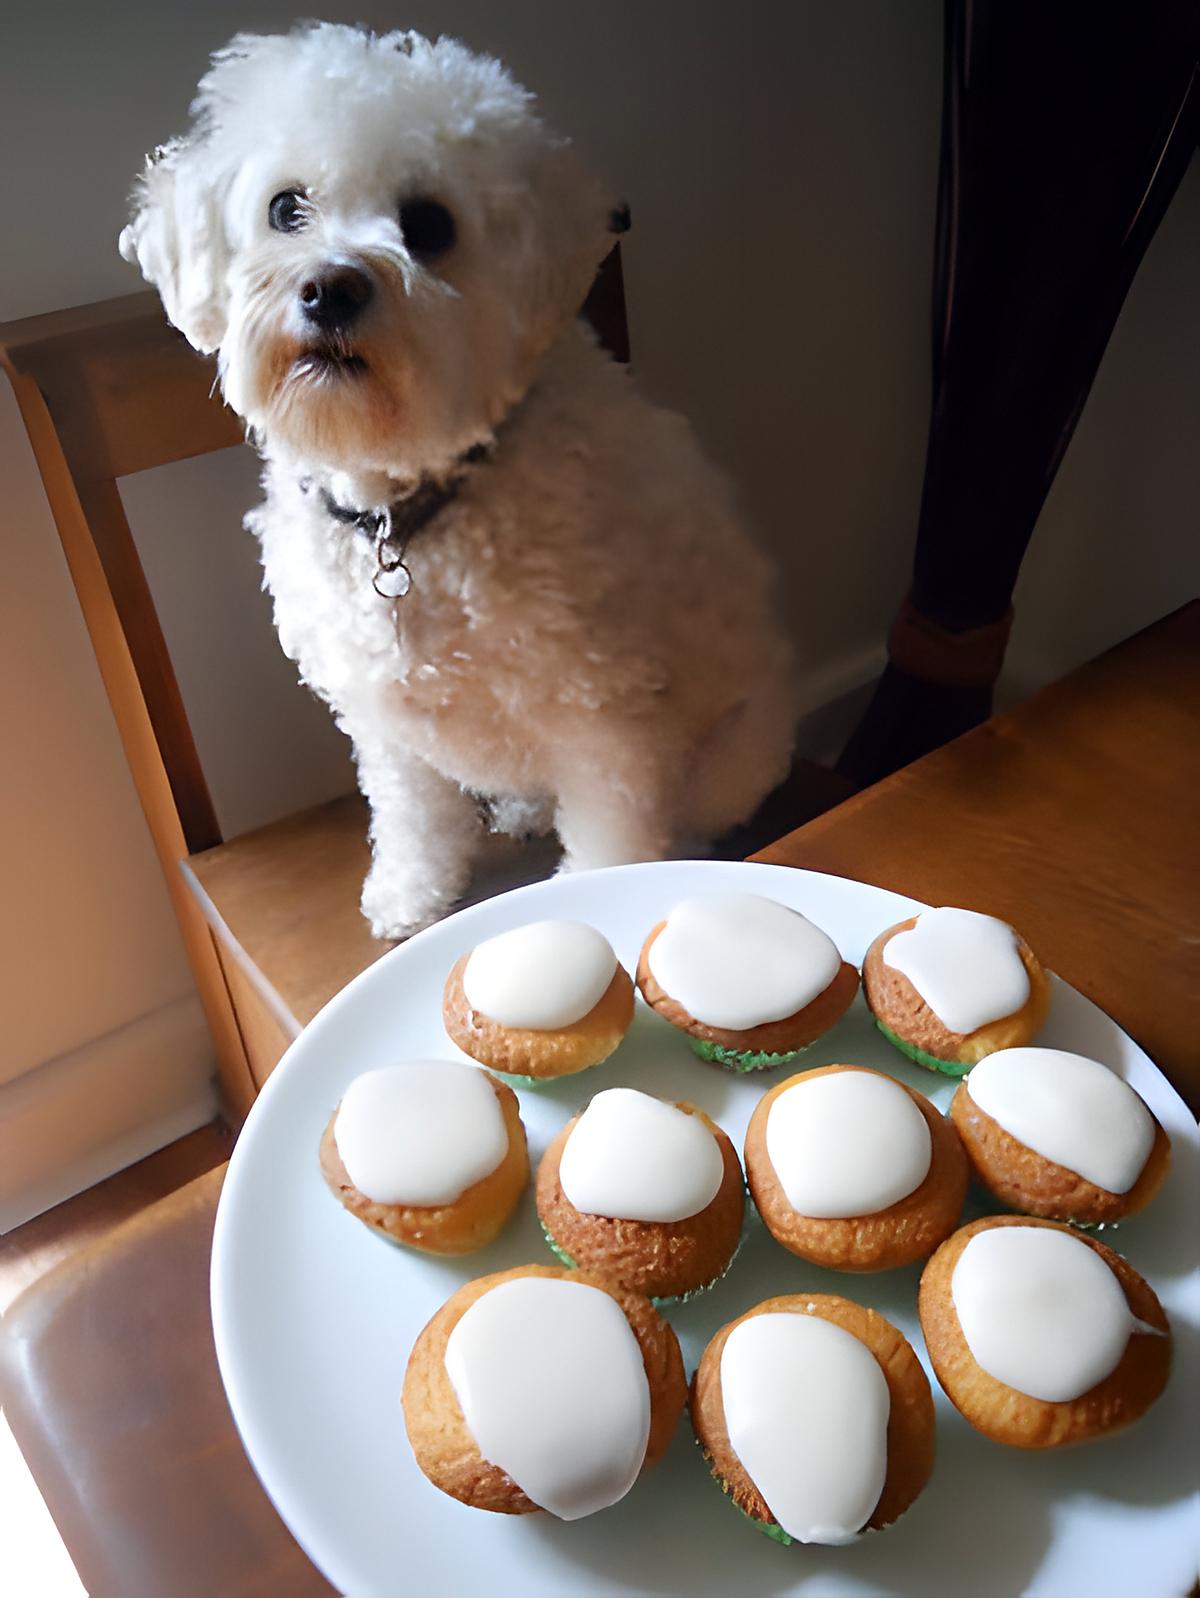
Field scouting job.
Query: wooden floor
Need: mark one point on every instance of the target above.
(29, 1251)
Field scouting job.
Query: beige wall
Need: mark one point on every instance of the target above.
(104, 1053)
(780, 161)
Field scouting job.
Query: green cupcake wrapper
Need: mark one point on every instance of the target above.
(735, 1060)
(769, 1528)
(560, 1253)
(998, 1206)
(930, 1061)
(695, 1292)
(556, 1248)
(516, 1081)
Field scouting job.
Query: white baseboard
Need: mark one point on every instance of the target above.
(1025, 672)
(77, 1119)
(832, 699)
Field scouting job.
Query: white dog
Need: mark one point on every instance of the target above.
(511, 577)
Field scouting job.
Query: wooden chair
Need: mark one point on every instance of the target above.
(270, 920)
(109, 1381)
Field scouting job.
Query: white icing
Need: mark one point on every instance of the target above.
(1040, 1310)
(542, 976)
(806, 1409)
(551, 1383)
(1068, 1109)
(420, 1133)
(847, 1143)
(635, 1158)
(735, 960)
(964, 965)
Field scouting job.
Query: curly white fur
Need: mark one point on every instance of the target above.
(589, 637)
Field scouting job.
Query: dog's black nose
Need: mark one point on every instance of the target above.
(336, 297)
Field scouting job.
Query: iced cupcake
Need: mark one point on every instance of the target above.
(646, 1194)
(852, 1170)
(948, 987)
(815, 1418)
(541, 1388)
(429, 1152)
(1061, 1136)
(542, 1001)
(1040, 1336)
(751, 982)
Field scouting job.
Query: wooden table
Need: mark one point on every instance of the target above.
(1074, 818)
(1077, 819)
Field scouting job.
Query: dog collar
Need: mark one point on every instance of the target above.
(392, 527)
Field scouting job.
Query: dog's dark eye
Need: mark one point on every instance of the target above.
(286, 211)
(428, 228)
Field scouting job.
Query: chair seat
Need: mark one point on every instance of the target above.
(283, 900)
(109, 1380)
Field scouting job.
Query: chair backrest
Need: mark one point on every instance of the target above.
(107, 390)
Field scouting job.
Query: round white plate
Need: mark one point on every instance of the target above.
(314, 1317)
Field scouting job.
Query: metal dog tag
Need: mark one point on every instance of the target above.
(392, 579)
(392, 582)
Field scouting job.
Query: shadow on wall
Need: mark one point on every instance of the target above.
(267, 746)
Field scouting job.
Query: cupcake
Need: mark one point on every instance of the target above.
(541, 1388)
(815, 1417)
(1040, 1336)
(430, 1153)
(854, 1171)
(1058, 1135)
(948, 987)
(646, 1194)
(751, 982)
(542, 1001)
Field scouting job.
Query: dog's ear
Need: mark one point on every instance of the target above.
(177, 238)
(563, 217)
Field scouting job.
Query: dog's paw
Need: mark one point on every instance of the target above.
(396, 907)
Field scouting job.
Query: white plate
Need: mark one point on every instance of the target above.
(314, 1317)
